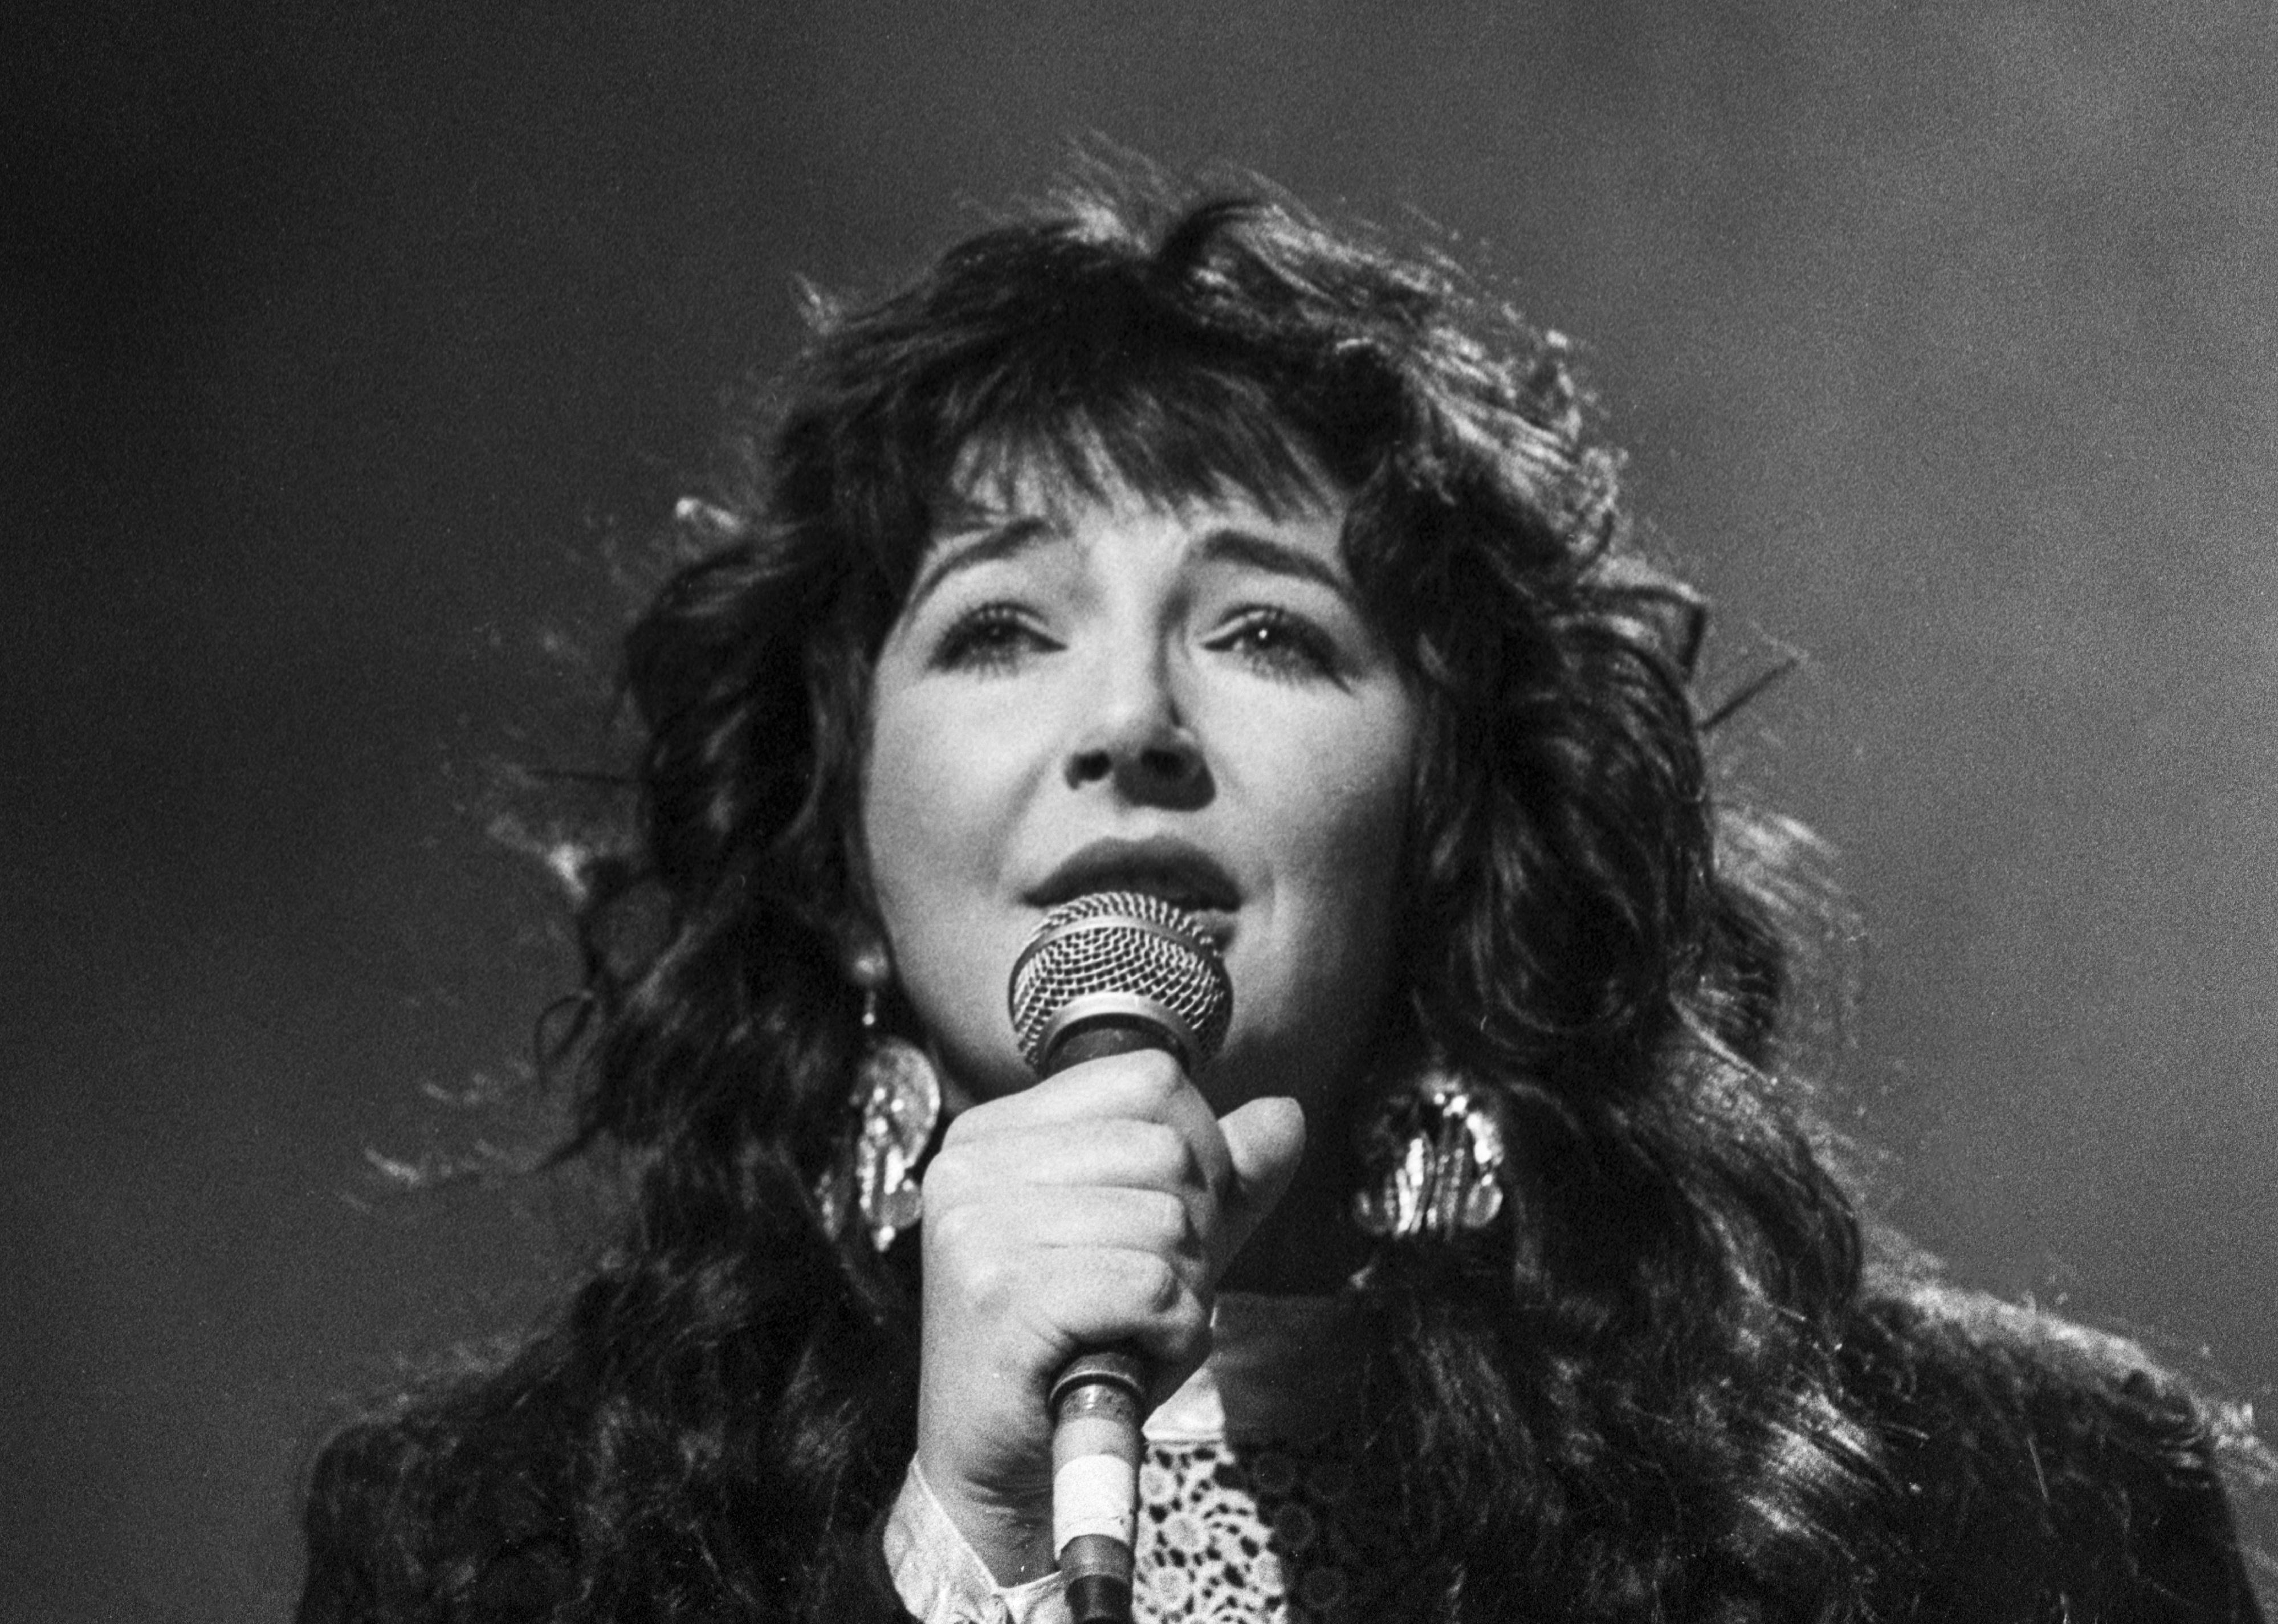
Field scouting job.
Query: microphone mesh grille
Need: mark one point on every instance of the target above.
(1121, 943)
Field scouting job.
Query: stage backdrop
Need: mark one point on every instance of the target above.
(342, 339)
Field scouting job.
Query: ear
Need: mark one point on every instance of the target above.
(860, 939)
(864, 959)
(857, 928)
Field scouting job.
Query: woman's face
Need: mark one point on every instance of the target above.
(1084, 696)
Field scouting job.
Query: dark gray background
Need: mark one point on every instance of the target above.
(334, 337)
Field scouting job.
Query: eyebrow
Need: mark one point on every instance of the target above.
(984, 547)
(1255, 551)
(1225, 545)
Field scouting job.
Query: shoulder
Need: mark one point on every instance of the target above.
(417, 1512)
(2040, 1469)
(534, 1492)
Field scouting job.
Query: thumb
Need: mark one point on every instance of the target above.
(1264, 1141)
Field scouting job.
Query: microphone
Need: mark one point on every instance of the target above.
(1108, 973)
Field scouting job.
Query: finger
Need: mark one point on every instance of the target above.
(1122, 1152)
(1144, 1087)
(1190, 1115)
(1264, 1141)
(1193, 1159)
(1138, 1085)
(1128, 1220)
(1101, 1296)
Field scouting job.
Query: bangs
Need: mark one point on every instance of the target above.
(1168, 440)
(1091, 368)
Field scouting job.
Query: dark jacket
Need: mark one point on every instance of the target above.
(2043, 1475)
(2047, 1473)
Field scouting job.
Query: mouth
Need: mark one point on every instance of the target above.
(1171, 871)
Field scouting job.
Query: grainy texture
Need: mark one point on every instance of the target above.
(1942, 335)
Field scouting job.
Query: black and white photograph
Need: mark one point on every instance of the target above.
(1303, 812)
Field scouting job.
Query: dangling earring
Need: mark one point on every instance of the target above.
(1431, 1160)
(900, 1095)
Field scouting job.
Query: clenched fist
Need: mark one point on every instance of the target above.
(1099, 1206)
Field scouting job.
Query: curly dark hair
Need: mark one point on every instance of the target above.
(1628, 1408)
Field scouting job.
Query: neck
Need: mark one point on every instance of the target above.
(1308, 1246)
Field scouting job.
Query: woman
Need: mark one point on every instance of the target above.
(1204, 554)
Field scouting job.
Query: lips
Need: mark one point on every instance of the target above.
(1172, 870)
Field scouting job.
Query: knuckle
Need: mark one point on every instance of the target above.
(953, 1227)
(1170, 1223)
(1180, 1333)
(1158, 1076)
(1161, 1286)
(1163, 1154)
(949, 1172)
(943, 1191)
(965, 1128)
(989, 1283)
(1189, 1322)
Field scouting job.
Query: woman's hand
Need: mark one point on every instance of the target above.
(1101, 1206)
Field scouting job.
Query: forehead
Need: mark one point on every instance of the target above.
(992, 489)
(1040, 522)
(1166, 465)
(1032, 516)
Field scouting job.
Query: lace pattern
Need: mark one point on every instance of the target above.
(1252, 1505)
(1259, 1533)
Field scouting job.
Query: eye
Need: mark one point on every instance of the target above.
(1279, 643)
(990, 637)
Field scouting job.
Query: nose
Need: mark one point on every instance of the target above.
(1134, 740)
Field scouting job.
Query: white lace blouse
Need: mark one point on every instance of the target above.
(1252, 1509)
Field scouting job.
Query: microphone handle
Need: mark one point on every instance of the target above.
(1096, 1404)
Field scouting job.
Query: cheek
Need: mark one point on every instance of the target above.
(1351, 804)
(925, 825)
(936, 769)
(1341, 831)
(898, 783)
(1358, 856)
(941, 806)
